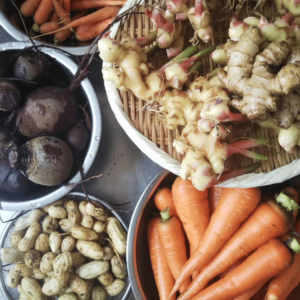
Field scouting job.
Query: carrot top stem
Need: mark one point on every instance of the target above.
(285, 201)
(165, 214)
(293, 245)
(36, 27)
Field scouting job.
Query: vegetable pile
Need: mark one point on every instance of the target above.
(242, 243)
(67, 249)
(43, 135)
(69, 19)
(259, 82)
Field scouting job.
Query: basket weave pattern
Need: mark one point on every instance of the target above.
(148, 122)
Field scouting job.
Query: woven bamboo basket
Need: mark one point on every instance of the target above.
(143, 124)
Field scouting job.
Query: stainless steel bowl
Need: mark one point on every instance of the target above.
(11, 22)
(12, 293)
(138, 257)
(49, 194)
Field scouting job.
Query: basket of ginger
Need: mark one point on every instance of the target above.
(209, 90)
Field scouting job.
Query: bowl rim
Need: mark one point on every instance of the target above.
(95, 138)
(132, 232)
(20, 36)
(76, 194)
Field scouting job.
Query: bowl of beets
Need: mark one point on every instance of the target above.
(50, 127)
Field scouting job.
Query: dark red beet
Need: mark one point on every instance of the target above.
(77, 138)
(10, 96)
(48, 110)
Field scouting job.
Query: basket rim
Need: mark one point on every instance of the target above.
(167, 162)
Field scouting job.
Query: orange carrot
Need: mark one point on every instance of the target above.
(228, 271)
(282, 285)
(163, 198)
(29, 7)
(266, 262)
(234, 208)
(214, 195)
(67, 6)
(162, 274)
(267, 222)
(90, 31)
(43, 12)
(261, 294)
(294, 295)
(193, 210)
(63, 15)
(172, 238)
(88, 4)
(293, 194)
(54, 16)
(61, 36)
(49, 26)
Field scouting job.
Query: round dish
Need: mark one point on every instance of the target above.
(47, 195)
(11, 294)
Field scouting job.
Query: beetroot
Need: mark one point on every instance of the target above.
(10, 95)
(48, 110)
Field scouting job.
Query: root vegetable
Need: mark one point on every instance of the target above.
(49, 224)
(29, 7)
(10, 96)
(43, 12)
(48, 27)
(25, 222)
(28, 241)
(78, 5)
(163, 198)
(179, 8)
(77, 138)
(48, 110)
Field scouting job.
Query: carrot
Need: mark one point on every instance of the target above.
(162, 274)
(294, 195)
(214, 195)
(163, 198)
(90, 31)
(29, 7)
(88, 4)
(261, 294)
(43, 12)
(282, 285)
(172, 238)
(54, 16)
(49, 26)
(294, 295)
(266, 262)
(234, 208)
(61, 36)
(193, 210)
(67, 6)
(267, 222)
(63, 15)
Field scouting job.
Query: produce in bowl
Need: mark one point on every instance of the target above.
(68, 249)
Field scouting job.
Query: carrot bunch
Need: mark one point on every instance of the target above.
(233, 234)
(61, 18)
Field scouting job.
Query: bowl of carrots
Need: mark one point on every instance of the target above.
(222, 243)
(68, 24)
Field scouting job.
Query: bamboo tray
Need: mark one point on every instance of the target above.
(142, 123)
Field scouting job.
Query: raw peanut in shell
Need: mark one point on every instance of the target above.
(25, 222)
(56, 283)
(108, 253)
(77, 259)
(15, 238)
(54, 241)
(115, 288)
(73, 212)
(46, 264)
(42, 243)
(117, 234)
(68, 297)
(56, 203)
(32, 289)
(50, 224)
(57, 212)
(68, 244)
(82, 207)
(93, 269)
(32, 259)
(97, 211)
(23, 270)
(98, 293)
(78, 285)
(87, 295)
(118, 269)
(13, 278)
(87, 222)
(90, 249)
(84, 234)
(66, 225)
(106, 279)
(38, 274)
(63, 262)
(99, 226)
(28, 241)
(11, 255)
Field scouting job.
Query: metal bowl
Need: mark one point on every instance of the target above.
(138, 257)
(86, 93)
(12, 293)
(11, 22)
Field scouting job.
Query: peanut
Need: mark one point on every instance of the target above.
(15, 238)
(54, 241)
(68, 244)
(115, 288)
(82, 207)
(23, 270)
(117, 234)
(25, 222)
(32, 259)
(93, 269)
(98, 293)
(78, 285)
(57, 212)
(28, 241)
(42, 243)
(99, 226)
(108, 253)
(32, 289)
(13, 278)
(97, 211)
(50, 224)
(38, 274)
(106, 279)
(87, 222)
(56, 203)
(11, 255)
(46, 264)
(90, 249)
(82, 233)
(66, 225)
(73, 211)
